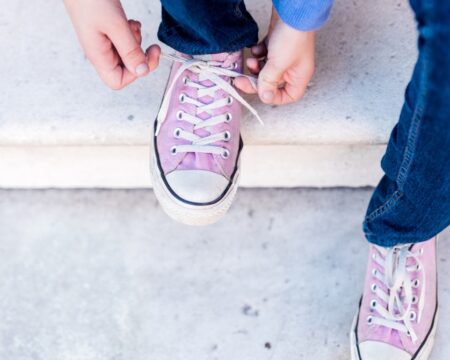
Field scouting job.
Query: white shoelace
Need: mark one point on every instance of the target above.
(399, 298)
(206, 70)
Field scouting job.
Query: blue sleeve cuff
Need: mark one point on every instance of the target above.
(304, 15)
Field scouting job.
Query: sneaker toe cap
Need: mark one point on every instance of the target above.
(197, 186)
(374, 350)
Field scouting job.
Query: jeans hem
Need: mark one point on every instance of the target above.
(237, 44)
(390, 242)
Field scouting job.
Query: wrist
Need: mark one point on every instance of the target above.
(303, 15)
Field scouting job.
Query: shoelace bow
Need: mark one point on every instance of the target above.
(206, 70)
(399, 283)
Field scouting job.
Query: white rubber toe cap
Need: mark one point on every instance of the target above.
(374, 350)
(197, 186)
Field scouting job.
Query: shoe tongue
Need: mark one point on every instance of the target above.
(212, 57)
(226, 58)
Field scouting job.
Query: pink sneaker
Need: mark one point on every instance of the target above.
(197, 141)
(398, 309)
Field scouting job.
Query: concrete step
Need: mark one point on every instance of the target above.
(52, 103)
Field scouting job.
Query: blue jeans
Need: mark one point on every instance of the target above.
(412, 201)
(207, 26)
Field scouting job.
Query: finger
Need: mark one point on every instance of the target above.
(270, 77)
(295, 86)
(136, 29)
(245, 85)
(153, 54)
(254, 65)
(129, 49)
(259, 50)
(106, 61)
(135, 24)
(117, 78)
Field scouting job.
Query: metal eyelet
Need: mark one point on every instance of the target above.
(235, 66)
(179, 115)
(415, 283)
(186, 80)
(229, 100)
(373, 304)
(173, 150)
(412, 315)
(226, 136)
(177, 133)
(182, 98)
(228, 117)
(225, 154)
(374, 272)
(370, 320)
(414, 299)
(374, 287)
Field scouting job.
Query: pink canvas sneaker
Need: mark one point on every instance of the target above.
(398, 310)
(197, 143)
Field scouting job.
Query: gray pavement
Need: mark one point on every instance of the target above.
(99, 274)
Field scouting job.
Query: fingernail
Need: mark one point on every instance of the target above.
(267, 96)
(142, 69)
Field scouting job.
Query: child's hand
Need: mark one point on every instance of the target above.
(111, 42)
(284, 63)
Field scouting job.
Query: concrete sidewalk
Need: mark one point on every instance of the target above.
(102, 275)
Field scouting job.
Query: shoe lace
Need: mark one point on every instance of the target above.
(397, 278)
(206, 70)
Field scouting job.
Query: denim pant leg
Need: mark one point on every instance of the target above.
(412, 201)
(207, 26)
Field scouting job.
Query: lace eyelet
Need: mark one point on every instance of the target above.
(412, 315)
(415, 283)
(235, 66)
(373, 304)
(228, 117)
(226, 136)
(177, 133)
(173, 150)
(225, 154)
(408, 333)
(374, 287)
(182, 98)
(186, 80)
(229, 100)
(418, 267)
(420, 252)
(370, 320)
(179, 115)
(374, 272)
(414, 299)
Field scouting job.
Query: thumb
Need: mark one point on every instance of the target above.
(269, 79)
(129, 49)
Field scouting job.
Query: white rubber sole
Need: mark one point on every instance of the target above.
(186, 213)
(423, 354)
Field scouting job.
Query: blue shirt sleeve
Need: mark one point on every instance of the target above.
(304, 15)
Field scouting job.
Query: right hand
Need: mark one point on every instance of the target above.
(111, 42)
(284, 63)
